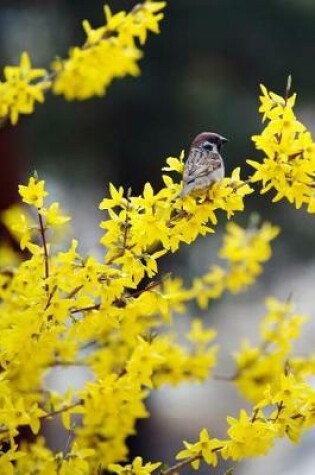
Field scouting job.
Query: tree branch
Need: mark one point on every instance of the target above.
(178, 466)
(44, 242)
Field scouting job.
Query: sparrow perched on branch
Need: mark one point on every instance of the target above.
(204, 165)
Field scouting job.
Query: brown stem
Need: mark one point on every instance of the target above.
(255, 414)
(63, 409)
(75, 291)
(240, 185)
(50, 414)
(125, 234)
(44, 242)
(126, 223)
(96, 306)
(149, 287)
(178, 466)
(280, 408)
(287, 89)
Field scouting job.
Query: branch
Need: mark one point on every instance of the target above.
(96, 306)
(75, 291)
(178, 466)
(52, 75)
(240, 185)
(149, 287)
(48, 415)
(43, 236)
(125, 225)
(63, 409)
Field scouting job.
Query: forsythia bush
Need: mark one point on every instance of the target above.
(59, 308)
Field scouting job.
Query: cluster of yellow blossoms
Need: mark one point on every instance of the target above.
(274, 379)
(18, 93)
(289, 163)
(59, 309)
(99, 319)
(109, 52)
(161, 221)
(244, 250)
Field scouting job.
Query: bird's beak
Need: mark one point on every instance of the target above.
(223, 140)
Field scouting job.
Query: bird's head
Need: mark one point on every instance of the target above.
(209, 141)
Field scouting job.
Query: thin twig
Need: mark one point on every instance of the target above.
(96, 306)
(287, 89)
(63, 409)
(74, 292)
(48, 415)
(280, 408)
(125, 225)
(254, 416)
(149, 287)
(50, 296)
(43, 236)
(178, 466)
(127, 219)
(240, 185)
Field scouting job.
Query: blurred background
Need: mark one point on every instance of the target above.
(202, 73)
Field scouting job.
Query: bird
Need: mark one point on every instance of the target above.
(204, 165)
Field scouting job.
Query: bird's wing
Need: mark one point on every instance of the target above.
(200, 164)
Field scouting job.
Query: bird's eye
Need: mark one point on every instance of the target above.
(207, 145)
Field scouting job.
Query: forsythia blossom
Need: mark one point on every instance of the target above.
(155, 220)
(33, 193)
(115, 316)
(23, 86)
(245, 250)
(205, 449)
(289, 163)
(66, 302)
(109, 52)
(261, 365)
(135, 468)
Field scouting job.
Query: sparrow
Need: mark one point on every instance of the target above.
(204, 165)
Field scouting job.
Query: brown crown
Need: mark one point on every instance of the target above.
(211, 137)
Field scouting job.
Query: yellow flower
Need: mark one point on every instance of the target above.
(143, 361)
(289, 163)
(19, 224)
(109, 52)
(115, 200)
(248, 437)
(244, 250)
(199, 335)
(137, 467)
(34, 192)
(205, 449)
(18, 94)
